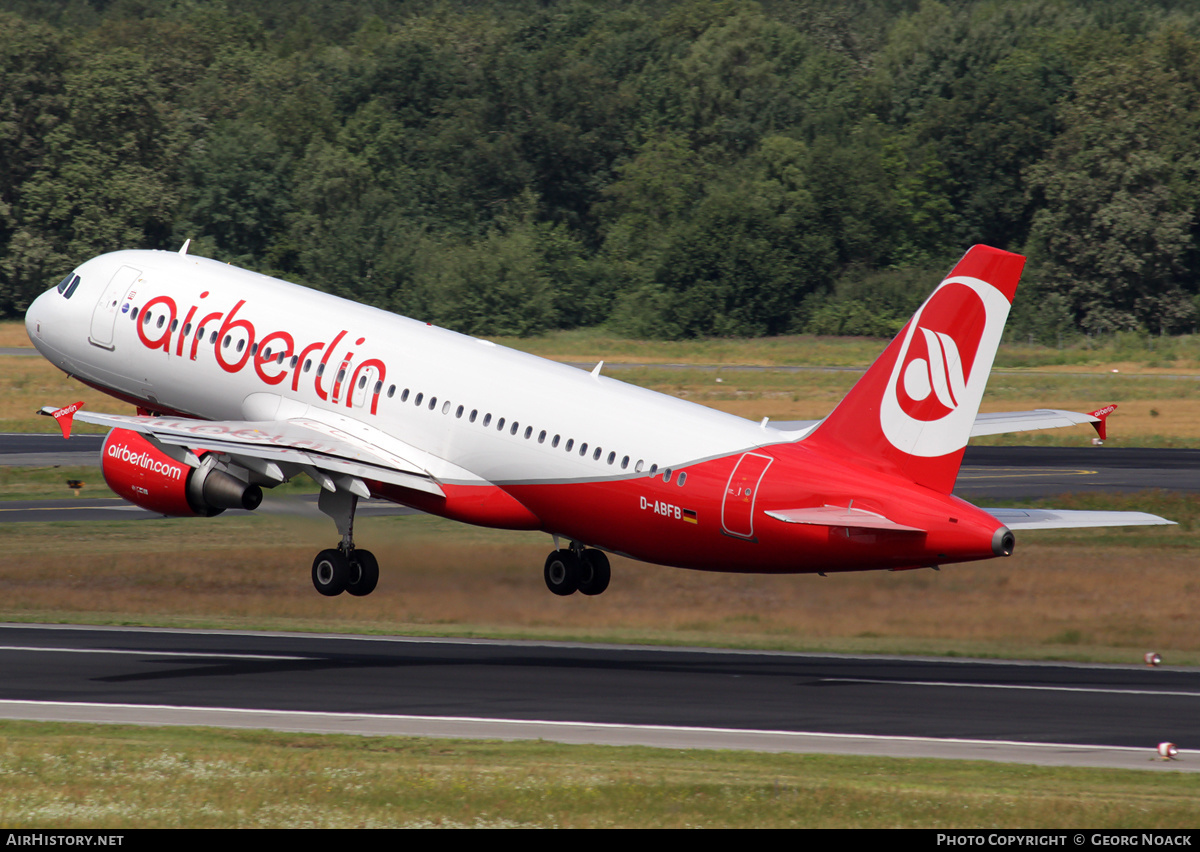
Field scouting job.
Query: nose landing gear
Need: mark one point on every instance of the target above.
(577, 569)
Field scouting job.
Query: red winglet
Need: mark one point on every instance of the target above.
(1101, 415)
(66, 416)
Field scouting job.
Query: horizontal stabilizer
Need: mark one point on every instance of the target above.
(1061, 519)
(840, 516)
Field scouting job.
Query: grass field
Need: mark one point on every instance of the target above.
(1107, 596)
(81, 776)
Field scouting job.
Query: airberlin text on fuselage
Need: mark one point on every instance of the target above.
(271, 369)
(145, 461)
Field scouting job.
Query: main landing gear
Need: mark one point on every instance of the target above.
(577, 569)
(344, 568)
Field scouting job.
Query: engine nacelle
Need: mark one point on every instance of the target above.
(145, 476)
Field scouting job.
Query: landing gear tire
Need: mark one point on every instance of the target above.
(331, 572)
(562, 572)
(595, 572)
(363, 573)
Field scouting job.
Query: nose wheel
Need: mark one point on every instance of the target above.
(577, 569)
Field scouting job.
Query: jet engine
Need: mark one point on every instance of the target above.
(146, 476)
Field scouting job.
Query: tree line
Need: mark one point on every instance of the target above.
(666, 169)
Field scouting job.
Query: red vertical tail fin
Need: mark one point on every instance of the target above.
(913, 411)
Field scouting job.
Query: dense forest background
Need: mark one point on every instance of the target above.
(668, 169)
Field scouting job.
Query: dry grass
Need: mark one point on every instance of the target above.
(1071, 597)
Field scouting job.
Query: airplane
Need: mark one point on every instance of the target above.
(242, 382)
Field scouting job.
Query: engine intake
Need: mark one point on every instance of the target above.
(145, 476)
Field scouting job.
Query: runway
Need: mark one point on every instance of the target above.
(1038, 713)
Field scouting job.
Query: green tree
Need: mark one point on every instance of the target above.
(1116, 230)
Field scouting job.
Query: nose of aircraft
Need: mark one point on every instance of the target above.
(35, 316)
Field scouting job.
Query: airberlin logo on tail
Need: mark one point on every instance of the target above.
(934, 366)
(933, 395)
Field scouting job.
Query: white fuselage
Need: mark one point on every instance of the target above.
(387, 363)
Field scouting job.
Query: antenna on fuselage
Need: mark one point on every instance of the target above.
(186, 243)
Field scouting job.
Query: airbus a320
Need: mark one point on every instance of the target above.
(242, 382)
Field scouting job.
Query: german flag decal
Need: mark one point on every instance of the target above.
(689, 515)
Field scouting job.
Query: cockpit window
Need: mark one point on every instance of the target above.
(67, 286)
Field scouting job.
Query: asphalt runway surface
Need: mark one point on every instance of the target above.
(1037, 713)
(677, 698)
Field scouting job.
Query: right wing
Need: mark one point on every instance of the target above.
(996, 423)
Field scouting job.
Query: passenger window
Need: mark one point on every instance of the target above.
(362, 382)
(378, 388)
(682, 478)
(637, 468)
(432, 402)
(459, 412)
(417, 401)
(404, 396)
(541, 437)
(514, 428)
(624, 462)
(667, 475)
(446, 408)
(391, 391)
(554, 443)
(474, 414)
(500, 425)
(487, 419)
(612, 457)
(583, 449)
(213, 339)
(570, 443)
(596, 455)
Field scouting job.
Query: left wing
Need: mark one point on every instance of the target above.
(277, 448)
